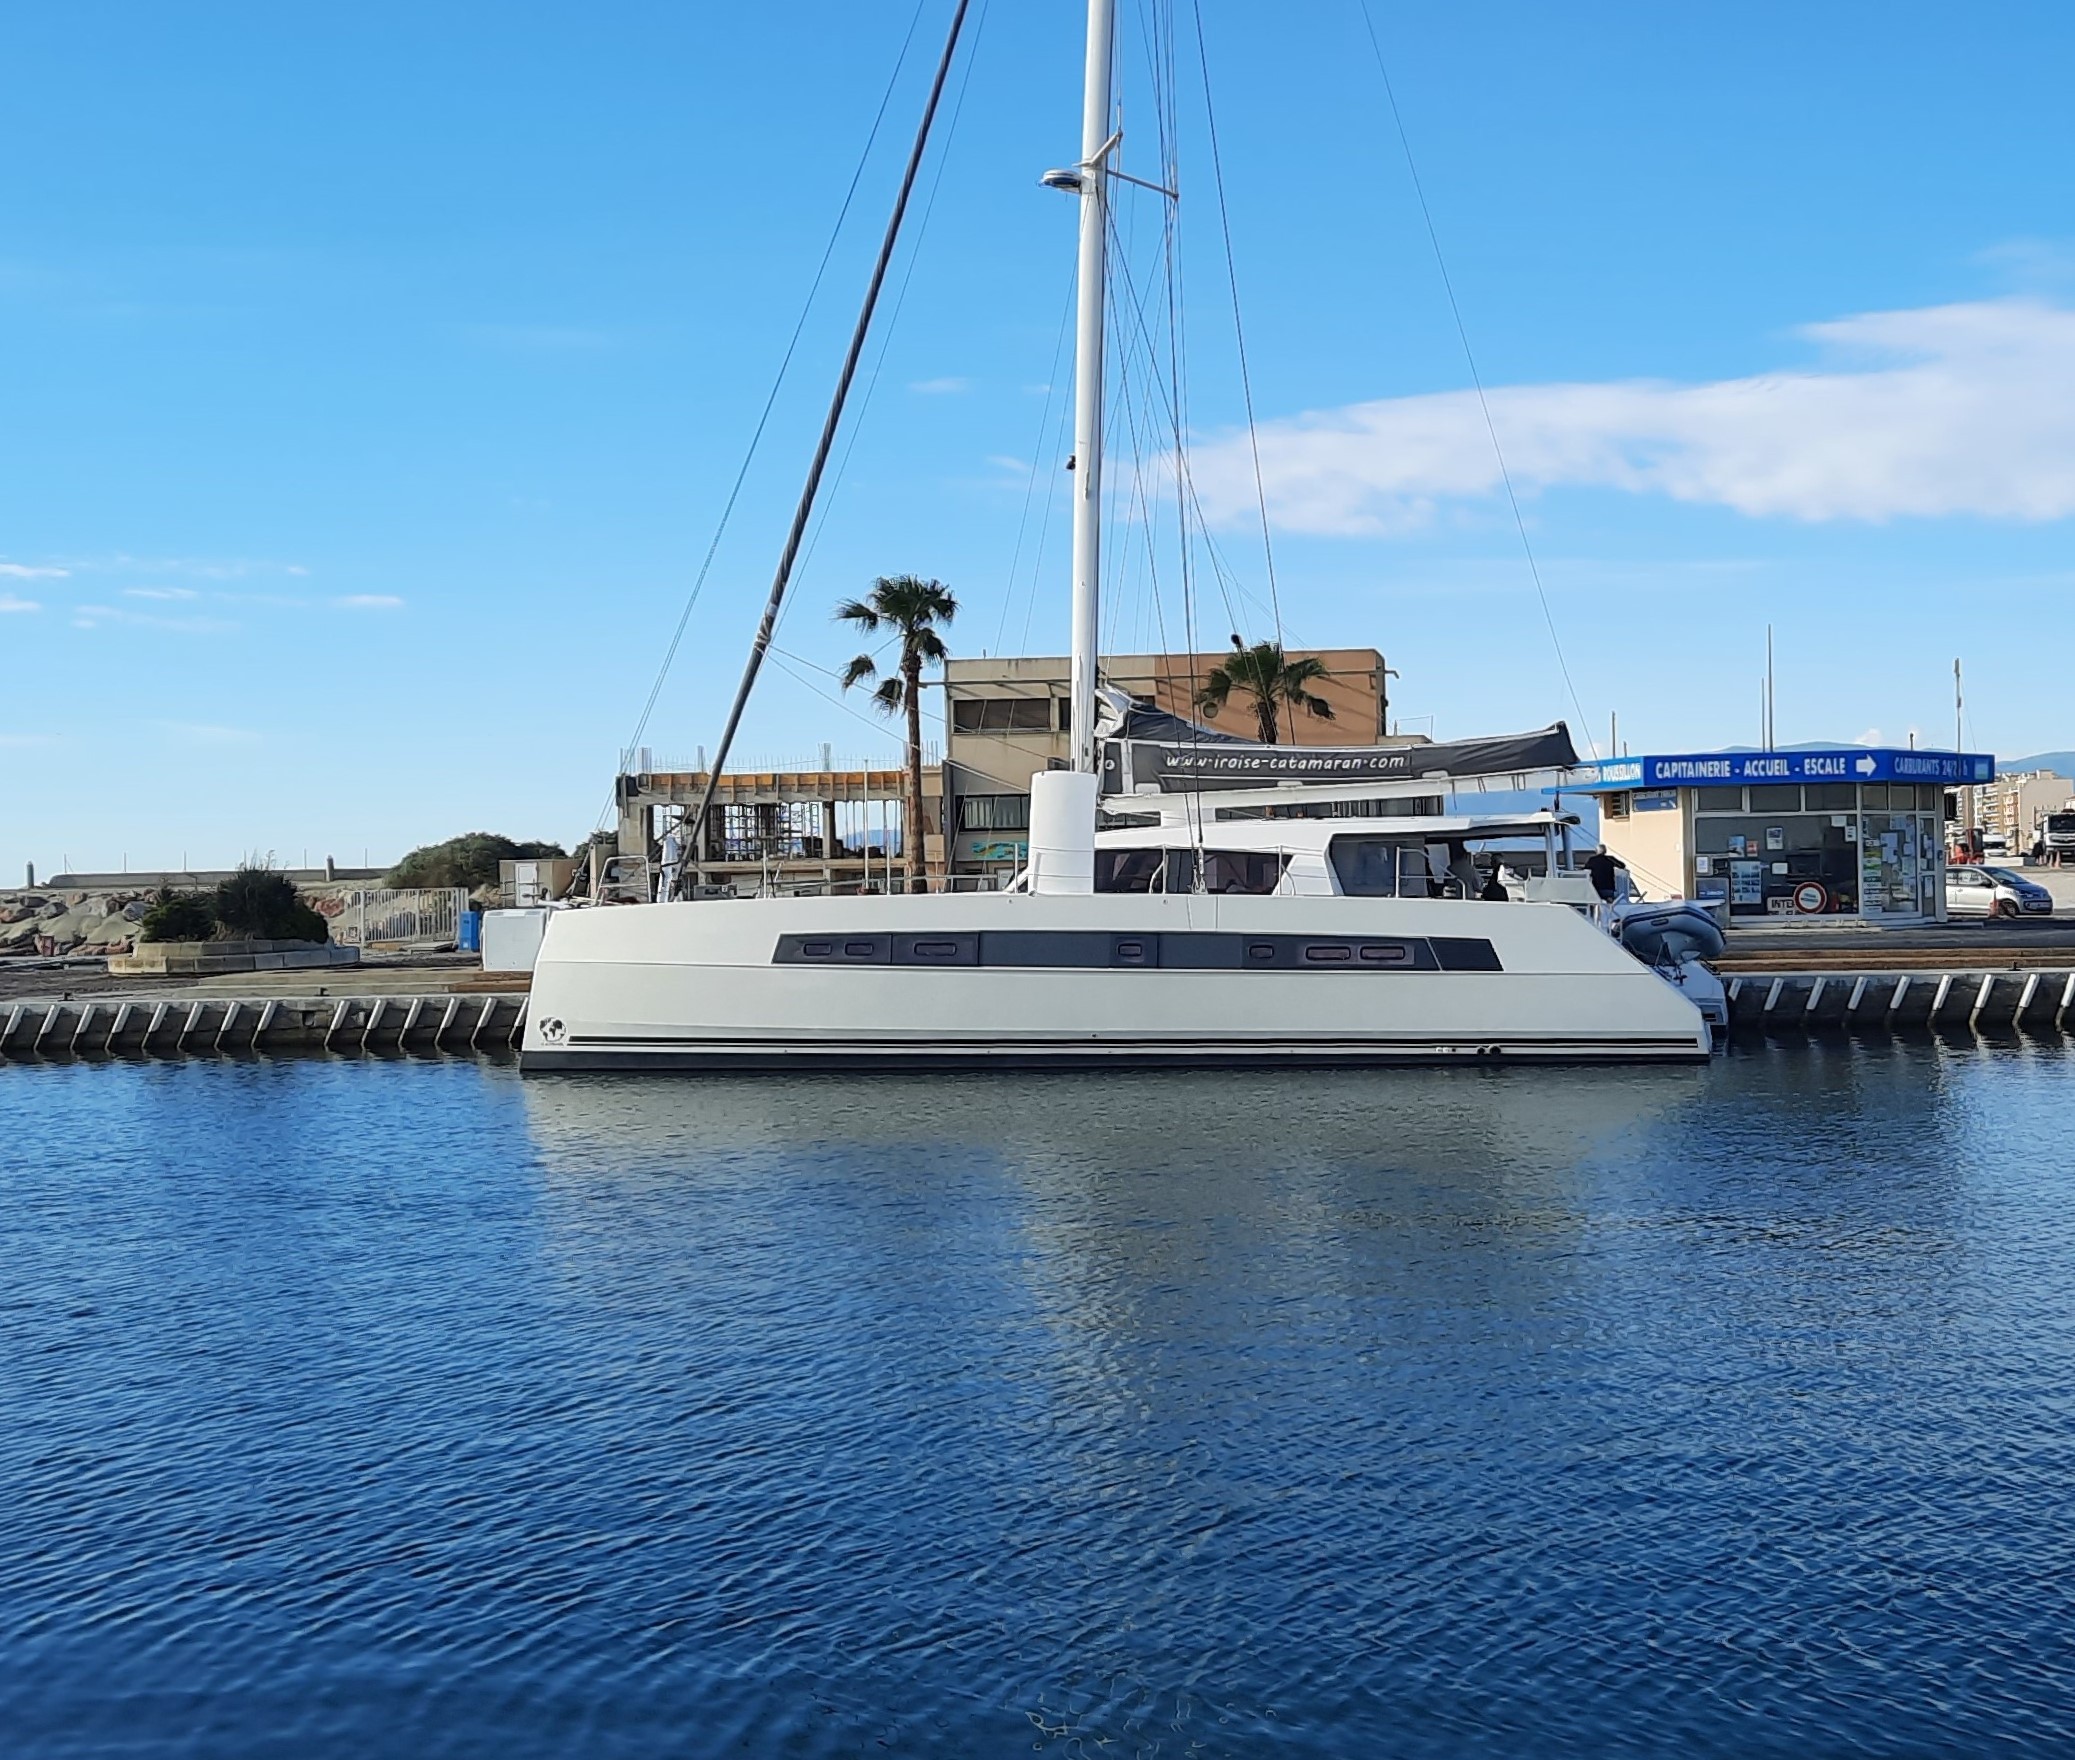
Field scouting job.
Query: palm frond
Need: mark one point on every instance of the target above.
(866, 617)
(889, 698)
(863, 667)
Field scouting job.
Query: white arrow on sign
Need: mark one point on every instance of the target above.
(1865, 766)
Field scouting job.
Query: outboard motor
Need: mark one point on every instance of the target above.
(1676, 940)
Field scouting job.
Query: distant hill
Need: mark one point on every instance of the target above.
(2061, 763)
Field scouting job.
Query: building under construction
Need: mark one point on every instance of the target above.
(790, 830)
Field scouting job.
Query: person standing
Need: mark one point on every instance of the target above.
(1601, 868)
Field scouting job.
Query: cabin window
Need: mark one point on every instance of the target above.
(817, 949)
(1328, 953)
(1387, 953)
(1243, 870)
(1129, 870)
(860, 949)
(1145, 870)
(1366, 867)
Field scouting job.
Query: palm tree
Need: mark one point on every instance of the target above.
(912, 608)
(1267, 675)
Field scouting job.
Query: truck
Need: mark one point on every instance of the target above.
(2060, 836)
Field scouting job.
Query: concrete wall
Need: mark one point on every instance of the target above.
(1655, 846)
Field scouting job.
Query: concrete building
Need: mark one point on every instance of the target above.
(1007, 719)
(2014, 807)
(1840, 832)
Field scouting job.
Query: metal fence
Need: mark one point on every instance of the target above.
(411, 916)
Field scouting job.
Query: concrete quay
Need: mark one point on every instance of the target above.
(1957, 999)
(193, 1024)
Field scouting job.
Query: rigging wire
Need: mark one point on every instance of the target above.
(770, 402)
(789, 555)
(900, 300)
(1246, 383)
(1036, 462)
(1476, 379)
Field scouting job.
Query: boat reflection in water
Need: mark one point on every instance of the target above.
(1310, 1413)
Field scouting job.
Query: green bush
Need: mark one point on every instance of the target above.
(257, 904)
(468, 860)
(178, 916)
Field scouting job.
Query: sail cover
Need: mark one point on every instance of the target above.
(1180, 758)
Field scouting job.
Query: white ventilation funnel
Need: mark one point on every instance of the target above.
(1062, 831)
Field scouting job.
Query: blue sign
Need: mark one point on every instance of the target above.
(1734, 769)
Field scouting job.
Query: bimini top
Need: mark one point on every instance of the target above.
(1162, 754)
(1805, 764)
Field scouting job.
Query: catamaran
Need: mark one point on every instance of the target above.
(1189, 935)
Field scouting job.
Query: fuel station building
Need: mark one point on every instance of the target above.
(1845, 831)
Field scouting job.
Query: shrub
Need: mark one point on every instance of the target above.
(178, 916)
(257, 904)
(468, 860)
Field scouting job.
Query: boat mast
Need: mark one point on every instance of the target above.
(1097, 142)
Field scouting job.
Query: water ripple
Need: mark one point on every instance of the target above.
(404, 1408)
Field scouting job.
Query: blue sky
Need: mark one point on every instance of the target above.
(373, 382)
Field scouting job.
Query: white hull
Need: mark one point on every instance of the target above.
(947, 981)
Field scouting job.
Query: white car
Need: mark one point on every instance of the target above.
(1994, 892)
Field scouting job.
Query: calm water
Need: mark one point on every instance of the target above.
(368, 1408)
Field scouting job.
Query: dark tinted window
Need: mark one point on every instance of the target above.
(995, 812)
(1387, 953)
(1001, 714)
(1461, 954)
(1328, 953)
(1366, 867)
(1044, 947)
(1778, 798)
(1249, 871)
(1129, 870)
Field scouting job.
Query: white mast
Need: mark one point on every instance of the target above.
(1093, 181)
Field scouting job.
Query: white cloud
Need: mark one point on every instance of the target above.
(369, 602)
(8, 602)
(160, 593)
(208, 568)
(15, 741)
(940, 387)
(1941, 411)
(22, 571)
(1870, 737)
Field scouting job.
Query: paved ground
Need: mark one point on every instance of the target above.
(376, 975)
